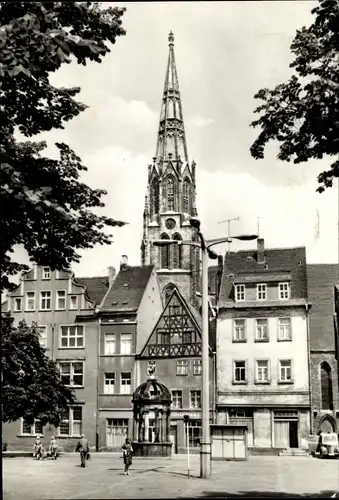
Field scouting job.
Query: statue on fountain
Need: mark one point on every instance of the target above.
(151, 369)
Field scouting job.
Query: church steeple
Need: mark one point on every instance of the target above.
(171, 134)
(171, 197)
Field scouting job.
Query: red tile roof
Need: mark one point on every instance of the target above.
(291, 260)
(127, 289)
(321, 279)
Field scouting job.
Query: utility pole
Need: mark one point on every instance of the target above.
(229, 229)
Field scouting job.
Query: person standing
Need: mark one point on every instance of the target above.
(53, 447)
(127, 451)
(83, 447)
(37, 447)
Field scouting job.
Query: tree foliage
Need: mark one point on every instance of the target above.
(44, 205)
(31, 385)
(303, 113)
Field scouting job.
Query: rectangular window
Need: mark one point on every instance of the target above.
(262, 371)
(45, 301)
(72, 336)
(261, 331)
(239, 330)
(187, 337)
(73, 302)
(17, 304)
(195, 399)
(182, 367)
(164, 338)
(31, 429)
(194, 433)
(125, 383)
(239, 371)
(30, 301)
(284, 291)
(116, 432)
(285, 370)
(110, 344)
(284, 332)
(72, 373)
(239, 293)
(61, 299)
(177, 399)
(126, 343)
(197, 367)
(262, 292)
(71, 423)
(109, 383)
(42, 335)
(46, 273)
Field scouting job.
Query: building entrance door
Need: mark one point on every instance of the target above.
(174, 438)
(293, 434)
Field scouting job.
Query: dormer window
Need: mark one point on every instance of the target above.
(284, 291)
(239, 293)
(46, 273)
(262, 291)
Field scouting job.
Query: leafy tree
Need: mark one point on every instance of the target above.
(44, 205)
(31, 385)
(303, 113)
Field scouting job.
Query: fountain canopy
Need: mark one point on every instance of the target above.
(151, 417)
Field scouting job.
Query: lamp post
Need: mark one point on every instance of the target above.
(206, 253)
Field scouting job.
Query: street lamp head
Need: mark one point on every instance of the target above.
(164, 243)
(211, 254)
(195, 222)
(245, 237)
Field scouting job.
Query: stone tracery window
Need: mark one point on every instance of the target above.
(165, 253)
(326, 386)
(170, 193)
(155, 197)
(176, 252)
(186, 201)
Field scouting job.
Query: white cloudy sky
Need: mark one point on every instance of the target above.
(225, 52)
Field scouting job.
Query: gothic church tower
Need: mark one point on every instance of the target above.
(171, 197)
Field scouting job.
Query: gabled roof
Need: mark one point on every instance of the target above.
(127, 289)
(244, 262)
(96, 287)
(321, 279)
(189, 319)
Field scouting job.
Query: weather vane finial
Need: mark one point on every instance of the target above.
(171, 38)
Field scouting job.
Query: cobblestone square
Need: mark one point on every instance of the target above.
(25, 478)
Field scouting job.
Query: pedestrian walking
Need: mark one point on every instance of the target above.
(127, 451)
(83, 447)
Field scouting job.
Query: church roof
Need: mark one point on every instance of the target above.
(127, 289)
(171, 134)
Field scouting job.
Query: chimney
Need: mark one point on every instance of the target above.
(111, 275)
(261, 251)
(124, 263)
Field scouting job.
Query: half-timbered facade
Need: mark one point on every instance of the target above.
(175, 345)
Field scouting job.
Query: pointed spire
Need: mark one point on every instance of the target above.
(171, 134)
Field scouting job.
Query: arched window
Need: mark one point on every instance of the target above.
(167, 291)
(186, 198)
(170, 193)
(164, 253)
(326, 386)
(155, 197)
(176, 249)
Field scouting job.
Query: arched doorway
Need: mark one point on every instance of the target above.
(327, 424)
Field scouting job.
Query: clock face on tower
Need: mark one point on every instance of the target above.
(170, 223)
